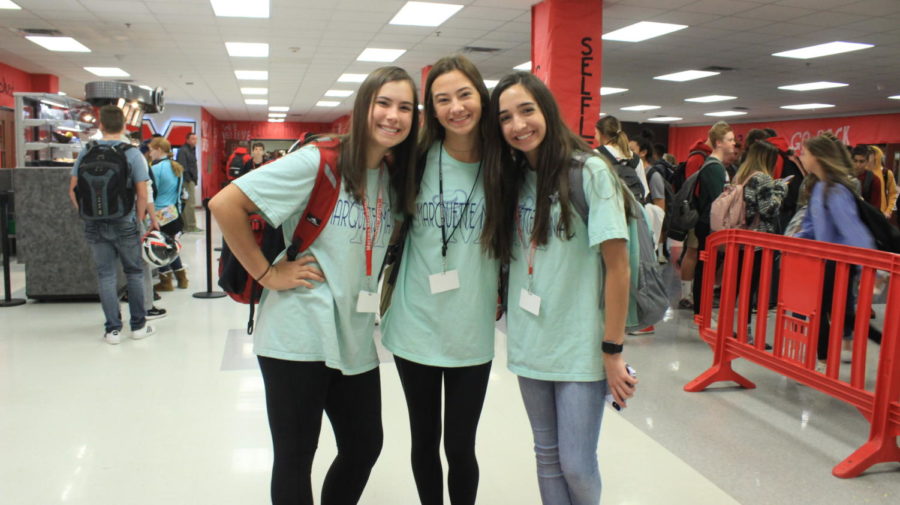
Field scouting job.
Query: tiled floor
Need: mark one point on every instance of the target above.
(179, 418)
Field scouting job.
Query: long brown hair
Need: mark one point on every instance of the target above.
(761, 157)
(835, 161)
(611, 128)
(504, 171)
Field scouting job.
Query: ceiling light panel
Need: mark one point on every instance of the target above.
(644, 30)
(380, 55)
(279, 108)
(241, 8)
(490, 83)
(339, 93)
(665, 119)
(807, 106)
(107, 71)
(252, 75)
(895, 97)
(7, 4)
(352, 77)
(611, 91)
(255, 91)
(277, 114)
(710, 98)
(687, 75)
(256, 101)
(805, 53)
(327, 103)
(62, 44)
(810, 86)
(726, 113)
(424, 14)
(276, 120)
(247, 49)
(639, 108)
(524, 66)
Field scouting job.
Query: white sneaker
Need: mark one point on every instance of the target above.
(112, 337)
(144, 332)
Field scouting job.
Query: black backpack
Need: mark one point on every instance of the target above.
(680, 174)
(105, 189)
(627, 171)
(887, 237)
(663, 169)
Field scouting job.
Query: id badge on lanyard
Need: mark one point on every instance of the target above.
(528, 301)
(368, 301)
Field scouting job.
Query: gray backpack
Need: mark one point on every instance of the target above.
(647, 298)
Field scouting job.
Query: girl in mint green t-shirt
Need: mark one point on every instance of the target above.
(314, 335)
(565, 350)
(440, 325)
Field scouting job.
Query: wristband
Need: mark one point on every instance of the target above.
(611, 347)
(264, 273)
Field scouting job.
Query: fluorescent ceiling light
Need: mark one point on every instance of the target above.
(273, 120)
(895, 97)
(279, 108)
(490, 83)
(524, 66)
(327, 103)
(64, 44)
(340, 93)
(256, 101)
(252, 75)
(611, 91)
(241, 8)
(424, 14)
(254, 91)
(107, 71)
(352, 77)
(642, 31)
(805, 53)
(640, 107)
(665, 118)
(380, 55)
(809, 86)
(687, 75)
(8, 4)
(277, 114)
(726, 113)
(805, 106)
(710, 98)
(247, 49)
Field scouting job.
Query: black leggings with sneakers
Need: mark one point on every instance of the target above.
(296, 395)
(464, 391)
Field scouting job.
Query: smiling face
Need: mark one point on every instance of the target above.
(521, 121)
(391, 114)
(457, 105)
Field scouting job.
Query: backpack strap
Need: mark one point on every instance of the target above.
(608, 155)
(577, 198)
(322, 200)
(868, 180)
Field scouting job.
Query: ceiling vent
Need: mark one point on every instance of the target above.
(740, 108)
(717, 68)
(480, 50)
(41, 31)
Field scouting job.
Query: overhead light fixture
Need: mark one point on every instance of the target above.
(62, 44)
(895, 97)
(810, 86)
(276, 120)
(340, 93)
(424, 14)
(279, 108)
(8, 4)
(380, 55)
(726, 113)
(107, 71)
(805, 53)
(710, 98)
(644, 30)
(247, 49)
(241, 8)
(252, 75)
(327, 103)
(638, 108)
(807, 106)
(277, 114)
(665, 118)
(490, 83)
(611, 91)
(256, 101)
(687, 75)
(352, 77)
(254, 91)
(524, 66)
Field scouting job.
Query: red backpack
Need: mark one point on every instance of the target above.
(234, 167)
(235, 280)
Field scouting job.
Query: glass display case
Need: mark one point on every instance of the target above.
(51, 129)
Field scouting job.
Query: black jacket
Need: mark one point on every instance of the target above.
(188, 159)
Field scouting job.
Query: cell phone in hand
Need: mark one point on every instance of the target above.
(609, 397)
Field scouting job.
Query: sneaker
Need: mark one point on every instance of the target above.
(112, 337)
(685, 303)
(144, 332)
(156, 313)
(821, 367)
(646, 331)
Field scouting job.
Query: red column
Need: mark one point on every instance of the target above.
(566, 55)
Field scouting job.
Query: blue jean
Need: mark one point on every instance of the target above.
(111, 240)
(565, 418)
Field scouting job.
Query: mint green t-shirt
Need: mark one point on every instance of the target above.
(453, 328)
(320, 324)
(563, 342)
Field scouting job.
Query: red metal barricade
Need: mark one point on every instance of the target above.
(807, 269)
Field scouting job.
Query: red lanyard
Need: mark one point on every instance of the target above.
(372, 234)
(531, 249)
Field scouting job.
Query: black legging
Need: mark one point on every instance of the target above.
(296, 394)
(464, 390)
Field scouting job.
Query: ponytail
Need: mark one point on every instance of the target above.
(611, 129)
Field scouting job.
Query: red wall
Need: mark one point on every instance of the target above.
(13, 80)
(871, 129)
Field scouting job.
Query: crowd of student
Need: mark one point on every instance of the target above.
(475, 205)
